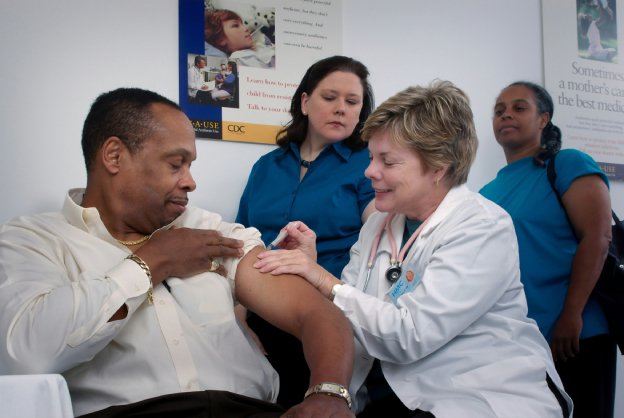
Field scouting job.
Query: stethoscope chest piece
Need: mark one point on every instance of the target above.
(393, 273)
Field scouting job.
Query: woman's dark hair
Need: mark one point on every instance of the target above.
(297, 128)
(550, 142)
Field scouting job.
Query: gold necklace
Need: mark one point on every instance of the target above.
(135, 242)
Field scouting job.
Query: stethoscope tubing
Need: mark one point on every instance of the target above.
(396, 260)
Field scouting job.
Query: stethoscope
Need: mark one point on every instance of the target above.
(396, 261)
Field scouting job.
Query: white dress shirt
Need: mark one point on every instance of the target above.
(460, 344)
(62, 276)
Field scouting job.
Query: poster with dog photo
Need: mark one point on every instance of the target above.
(585, 76)
(597, 29)
(241, 61)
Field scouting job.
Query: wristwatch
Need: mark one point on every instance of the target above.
(334, 290)
(331, 389)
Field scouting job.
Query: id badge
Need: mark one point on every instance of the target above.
(407, 282)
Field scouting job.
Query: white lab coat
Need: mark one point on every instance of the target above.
(460, 344)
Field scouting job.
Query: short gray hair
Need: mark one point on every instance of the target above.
(436, 121)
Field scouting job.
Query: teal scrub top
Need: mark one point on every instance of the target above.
(546, 242)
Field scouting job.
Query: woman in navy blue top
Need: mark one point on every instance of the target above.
(315, 176)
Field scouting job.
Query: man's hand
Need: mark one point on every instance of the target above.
(320, 406)
(183, 252)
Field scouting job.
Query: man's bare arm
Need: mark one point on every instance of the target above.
(293, 305)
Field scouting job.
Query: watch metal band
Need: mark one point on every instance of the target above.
(334, 290)
(331, 389)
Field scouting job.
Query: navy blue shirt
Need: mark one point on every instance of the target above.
(329, 199)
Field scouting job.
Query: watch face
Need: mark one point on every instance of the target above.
(393, 274)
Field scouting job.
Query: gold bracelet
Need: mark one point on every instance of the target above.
(145, 268)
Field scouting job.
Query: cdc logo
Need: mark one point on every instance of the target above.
(236, 129)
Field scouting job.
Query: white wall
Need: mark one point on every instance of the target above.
(58, 55)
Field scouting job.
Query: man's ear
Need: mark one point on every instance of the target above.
(110, 154)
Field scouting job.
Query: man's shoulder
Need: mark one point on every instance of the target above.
(39, 223)
(196, 217)
(43, 217)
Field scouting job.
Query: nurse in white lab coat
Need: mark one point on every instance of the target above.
(449, 336)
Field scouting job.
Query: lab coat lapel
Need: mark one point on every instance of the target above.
(448, 204)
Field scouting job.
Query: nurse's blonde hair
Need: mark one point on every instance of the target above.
(435, 121)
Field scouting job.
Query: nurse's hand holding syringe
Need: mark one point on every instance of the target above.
(296, 254)
(296, 235)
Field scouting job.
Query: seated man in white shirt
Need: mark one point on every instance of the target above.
(129, 293)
